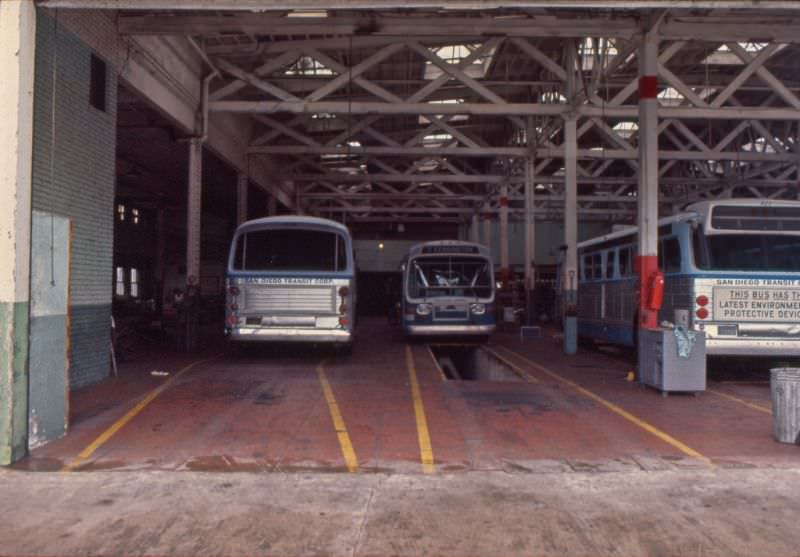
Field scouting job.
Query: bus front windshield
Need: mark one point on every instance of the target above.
(449, 276)
(748, 252)
(290, 249)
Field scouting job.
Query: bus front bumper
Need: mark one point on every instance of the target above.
(432, 330)
(264, 334)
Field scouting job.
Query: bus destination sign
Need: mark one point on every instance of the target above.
(294, 281)
(442, 249)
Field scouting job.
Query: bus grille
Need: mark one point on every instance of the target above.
(272, 299)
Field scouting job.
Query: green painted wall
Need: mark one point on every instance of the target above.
(14, 393)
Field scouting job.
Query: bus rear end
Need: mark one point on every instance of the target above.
(290, 280)
(746, 294)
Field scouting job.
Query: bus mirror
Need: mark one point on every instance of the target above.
(655, 295)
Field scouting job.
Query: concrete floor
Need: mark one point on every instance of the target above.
(574, 460)
(721, 512)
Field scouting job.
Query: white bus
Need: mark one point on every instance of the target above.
(734, 265)
(448, 289)
(291, 278)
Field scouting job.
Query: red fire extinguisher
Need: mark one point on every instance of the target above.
(655, 296)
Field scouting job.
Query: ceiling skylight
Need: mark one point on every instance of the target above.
(592, 49)
(454, 54)
(723, 56)
(454, 118)
(436, 139)
(308, 66)
(626, 129)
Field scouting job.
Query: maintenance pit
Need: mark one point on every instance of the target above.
(471, 362)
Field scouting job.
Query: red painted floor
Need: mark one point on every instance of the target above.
(266, 410)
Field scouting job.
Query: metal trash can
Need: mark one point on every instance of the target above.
(785, 387)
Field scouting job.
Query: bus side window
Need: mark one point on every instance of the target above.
(238, 258)
(341, 254)
(611, 255)
(584, 271)
(624, 261)
(672, 255)
(597, 266)
(697, 248)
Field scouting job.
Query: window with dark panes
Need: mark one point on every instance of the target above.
(698, 247)
(671, 249)
(290, 249)
(624, 262)
(740, 252)
(611, 255)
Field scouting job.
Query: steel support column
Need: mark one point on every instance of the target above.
(647, 220)
(487, 227)
(194, 211)
(17, 46)
(474, 229)
(159, 264)
(242, 184)
(505, 271)
(530, 231)
(569, 278)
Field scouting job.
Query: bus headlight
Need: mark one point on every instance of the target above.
(477, 309)
(424, 309)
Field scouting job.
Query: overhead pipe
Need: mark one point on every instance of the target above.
(203, 136)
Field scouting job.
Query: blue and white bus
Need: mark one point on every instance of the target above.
(448, 289)
(732, 265)
(291, 278)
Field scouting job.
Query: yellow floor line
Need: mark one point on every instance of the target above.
(514, 367)
(436, 363)
(425, 448)
(667, 438)
(103, 438)
(338, 422)
(741, 401)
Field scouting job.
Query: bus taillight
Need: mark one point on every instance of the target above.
(702, 300)
(234, 290)
(702, 313)
(344, 291)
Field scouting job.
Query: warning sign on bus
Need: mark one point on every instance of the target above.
(750, 303)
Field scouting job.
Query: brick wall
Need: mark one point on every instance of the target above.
(73, 175)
